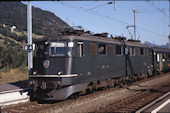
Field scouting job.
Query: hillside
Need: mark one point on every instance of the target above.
(44, 22)
(13, 59)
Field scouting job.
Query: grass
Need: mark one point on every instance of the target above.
(25, 33)
(13, 75)
(9, 38)
(2, 43)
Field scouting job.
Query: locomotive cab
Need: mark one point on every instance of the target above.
(53, 58)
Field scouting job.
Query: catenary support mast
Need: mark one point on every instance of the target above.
(169, 24)
(29, 31)
(134, 24)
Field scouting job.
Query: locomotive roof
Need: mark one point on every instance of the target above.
(93, 38)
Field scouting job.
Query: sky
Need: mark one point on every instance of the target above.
(152, 17)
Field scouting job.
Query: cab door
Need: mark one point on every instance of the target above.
(79, 60)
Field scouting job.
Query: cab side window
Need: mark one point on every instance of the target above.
(132, 51)
(141, 51)
(102, 49)
(80, 49)
(118, 50)
(137, 51)
(111, 50)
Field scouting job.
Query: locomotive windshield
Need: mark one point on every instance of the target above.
(61, 48)
(54, 49)
(58, 48)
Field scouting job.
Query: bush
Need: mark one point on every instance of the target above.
(12, 57)
(7, 32)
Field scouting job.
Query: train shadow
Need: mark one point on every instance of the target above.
(48, 101)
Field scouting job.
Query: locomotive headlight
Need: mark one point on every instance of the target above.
(46, 43)
(34, 73)
(60, 73)
(71, 44)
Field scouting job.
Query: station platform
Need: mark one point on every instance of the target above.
(13, 93)
(10, 86)
(160, 105)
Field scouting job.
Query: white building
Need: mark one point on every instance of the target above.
(4, 25)
(13, 27)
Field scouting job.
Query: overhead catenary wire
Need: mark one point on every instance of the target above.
(152, 10)
(151, 13)
(99, 24)
(158, 9)
(108, 17)
(94, 13)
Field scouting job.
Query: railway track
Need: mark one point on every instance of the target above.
(134, 102)
(136, 99)
(34, 106)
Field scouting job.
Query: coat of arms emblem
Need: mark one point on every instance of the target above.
(46, 63)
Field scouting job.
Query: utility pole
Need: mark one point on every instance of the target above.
(169, 25)
(114, 4)
(29, 32)
(169, 39)
(134, 11)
